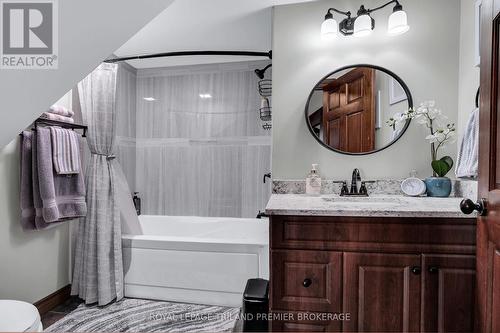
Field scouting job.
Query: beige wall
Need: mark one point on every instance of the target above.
(469, 73)
(33, 264)
(426, 58)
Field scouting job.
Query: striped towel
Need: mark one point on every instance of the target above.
(65, 151)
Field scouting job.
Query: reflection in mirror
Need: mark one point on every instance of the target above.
(353, 110)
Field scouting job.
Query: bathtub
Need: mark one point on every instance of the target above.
(202, 260)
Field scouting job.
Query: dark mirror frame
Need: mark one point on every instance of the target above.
(382, 69)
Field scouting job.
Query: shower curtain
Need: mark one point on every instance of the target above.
(98, 270)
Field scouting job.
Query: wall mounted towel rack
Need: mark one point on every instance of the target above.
(48, 122)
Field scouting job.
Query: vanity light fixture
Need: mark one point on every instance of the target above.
(149, 99)
(363, 24)
(205, 96)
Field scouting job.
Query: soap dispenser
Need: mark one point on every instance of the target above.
(313, 181)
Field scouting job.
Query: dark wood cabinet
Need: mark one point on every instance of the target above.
(372, 274)
(307, 280)
(382, 292)
(448, 288)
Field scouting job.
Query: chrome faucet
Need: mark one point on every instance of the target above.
(361, 192)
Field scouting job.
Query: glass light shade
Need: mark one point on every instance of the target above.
(363, 26)
(398, 23)
(329, 28)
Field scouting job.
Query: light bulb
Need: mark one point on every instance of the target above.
(363, 26)
(398, 23)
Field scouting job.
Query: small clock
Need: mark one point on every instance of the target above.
(413, 187)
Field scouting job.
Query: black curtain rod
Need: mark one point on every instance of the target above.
(191, 53)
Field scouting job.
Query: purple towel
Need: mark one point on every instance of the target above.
(26, 199)
(40, 223)
(63, 196)
(31, 216)
(65, 151)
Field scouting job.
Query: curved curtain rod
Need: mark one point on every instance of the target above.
(268, 54)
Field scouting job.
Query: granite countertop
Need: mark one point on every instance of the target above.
(374, 206)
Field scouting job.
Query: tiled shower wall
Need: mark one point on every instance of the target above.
(195, 156)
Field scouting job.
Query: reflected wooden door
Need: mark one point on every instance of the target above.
(349, 111)
(488, 232)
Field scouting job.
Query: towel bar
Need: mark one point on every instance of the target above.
(49, 122)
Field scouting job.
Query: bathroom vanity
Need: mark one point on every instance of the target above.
(382, 264)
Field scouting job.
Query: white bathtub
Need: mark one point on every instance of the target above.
(202, 260)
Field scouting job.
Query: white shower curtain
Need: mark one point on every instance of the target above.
(201, 156)
(98, 270)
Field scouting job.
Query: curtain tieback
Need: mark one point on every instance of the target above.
(108, 157)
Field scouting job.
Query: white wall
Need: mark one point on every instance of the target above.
(469, 73)
(426, 58)
(89, 31)
(33, 264)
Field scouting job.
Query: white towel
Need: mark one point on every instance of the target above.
(65, 151)
(56, 117)
(61, 110)
(468, 153)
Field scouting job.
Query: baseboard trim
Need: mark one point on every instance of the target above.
(56, 298)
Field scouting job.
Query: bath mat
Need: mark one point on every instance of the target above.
(137, 315)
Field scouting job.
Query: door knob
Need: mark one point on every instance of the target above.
(306, 283)
(467, 206)
(416, 270)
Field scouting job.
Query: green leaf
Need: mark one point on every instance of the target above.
(448, 160)
(442, 166)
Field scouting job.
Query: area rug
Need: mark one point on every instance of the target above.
(137, 315)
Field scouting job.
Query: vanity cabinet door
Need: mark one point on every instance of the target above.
(382, 292)
(448, 289)
(306, 281)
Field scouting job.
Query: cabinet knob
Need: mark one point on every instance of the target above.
(433, 269)
(306, 283)
(416, 270)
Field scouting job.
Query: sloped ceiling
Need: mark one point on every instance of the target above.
(89, 31)
(189, 25)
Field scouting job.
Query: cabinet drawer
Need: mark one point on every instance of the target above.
(396, 235)
(306, 280)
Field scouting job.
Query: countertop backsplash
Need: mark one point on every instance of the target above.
(460, 188)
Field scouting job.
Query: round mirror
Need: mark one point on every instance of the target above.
(356, 110)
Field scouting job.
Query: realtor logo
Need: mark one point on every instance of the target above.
(29, 38)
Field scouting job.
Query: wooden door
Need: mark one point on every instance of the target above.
(448, 289)
(349, 111)
(488, 228)
(381, 292)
